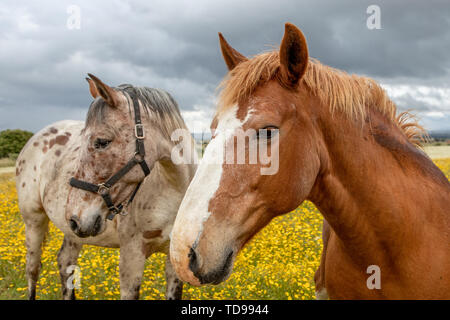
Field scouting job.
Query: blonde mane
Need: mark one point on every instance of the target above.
(349, 94)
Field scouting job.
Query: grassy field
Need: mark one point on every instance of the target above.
(278, 264)
(7, 162)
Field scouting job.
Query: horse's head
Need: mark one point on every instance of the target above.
(227, 203)
(109, 143)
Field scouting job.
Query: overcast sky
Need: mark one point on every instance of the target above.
(174, 45)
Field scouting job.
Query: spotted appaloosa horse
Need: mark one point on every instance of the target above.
(93, 151)
(342, 147)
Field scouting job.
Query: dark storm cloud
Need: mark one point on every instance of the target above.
(173, 45)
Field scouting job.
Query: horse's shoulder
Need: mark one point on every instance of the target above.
(47, 146)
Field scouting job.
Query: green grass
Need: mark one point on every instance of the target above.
(279, 263)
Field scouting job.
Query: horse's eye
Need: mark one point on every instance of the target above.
(267, 132)
(101, 143)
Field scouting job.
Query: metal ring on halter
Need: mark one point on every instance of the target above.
(138, 157)
(102, 189)
(114, 209)
(123, 212)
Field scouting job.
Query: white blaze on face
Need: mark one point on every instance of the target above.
(193, 211)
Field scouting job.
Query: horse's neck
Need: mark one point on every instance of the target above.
(376, 188)
(177, 175)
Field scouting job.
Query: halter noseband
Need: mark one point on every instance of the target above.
(139, 158)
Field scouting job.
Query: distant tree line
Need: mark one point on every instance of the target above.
(439, 138)
(12, 142)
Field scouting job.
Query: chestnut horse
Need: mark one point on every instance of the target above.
(341, 146)
(93, 152)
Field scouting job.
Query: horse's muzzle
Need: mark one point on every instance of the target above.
(87, 229)
(215, 276)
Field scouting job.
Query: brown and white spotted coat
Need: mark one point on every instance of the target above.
(59, 152)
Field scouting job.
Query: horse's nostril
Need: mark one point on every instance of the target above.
(97, 225)
(214, 276)
(73, 224)
(193, 265)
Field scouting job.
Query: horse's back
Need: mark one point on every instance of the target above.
(39, 159)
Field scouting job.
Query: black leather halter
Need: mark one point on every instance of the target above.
(138, 159)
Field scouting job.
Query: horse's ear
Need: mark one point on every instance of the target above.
(105, 91)
(232, 57)
(293, 55)
(92, 88)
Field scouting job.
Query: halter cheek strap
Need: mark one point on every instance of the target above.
(103, 189)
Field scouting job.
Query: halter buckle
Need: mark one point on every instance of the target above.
(139, 131)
